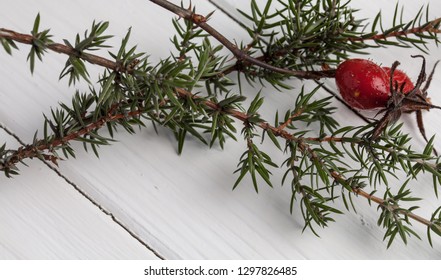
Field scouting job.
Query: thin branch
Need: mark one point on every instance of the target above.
(60, 48)
(429, 27)
(289, 120)
(381, 201)
(31, 151)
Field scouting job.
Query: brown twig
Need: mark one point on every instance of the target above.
(289, 120)
(339, 178)
(31, 151)
(60, 48)
(430, 27)
(381, 201)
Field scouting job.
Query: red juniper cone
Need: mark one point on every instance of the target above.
(362, 84)
(365, 85)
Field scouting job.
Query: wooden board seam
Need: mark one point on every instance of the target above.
(87, 197)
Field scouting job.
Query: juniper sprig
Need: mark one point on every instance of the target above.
(191, 92)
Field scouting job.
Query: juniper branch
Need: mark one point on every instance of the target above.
(176, 96)
(38, 149)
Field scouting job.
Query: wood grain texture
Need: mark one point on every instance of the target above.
(43, 217)
(181, 206)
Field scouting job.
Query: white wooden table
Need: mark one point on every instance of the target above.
(140, 200)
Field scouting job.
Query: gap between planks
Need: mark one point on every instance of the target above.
(88, 197)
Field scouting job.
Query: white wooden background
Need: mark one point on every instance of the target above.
(140, 200)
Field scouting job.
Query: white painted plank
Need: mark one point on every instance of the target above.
(43, 217)
(183, 206)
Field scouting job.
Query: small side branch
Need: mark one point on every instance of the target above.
(430, 27)
(60, 48)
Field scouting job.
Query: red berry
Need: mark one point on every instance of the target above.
(363, 84)
(401, 78)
